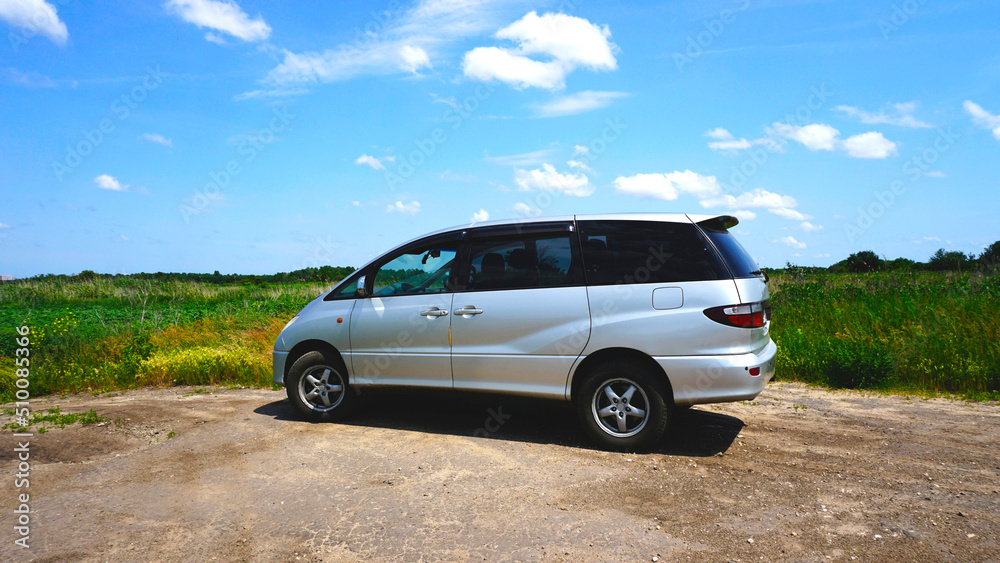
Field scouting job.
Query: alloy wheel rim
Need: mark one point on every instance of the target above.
(620, 407)
(322, 388)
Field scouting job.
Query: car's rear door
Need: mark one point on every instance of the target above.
(523, 318)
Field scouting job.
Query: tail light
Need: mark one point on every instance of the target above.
(744, 315)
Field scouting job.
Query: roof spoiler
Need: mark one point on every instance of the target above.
(719, 223)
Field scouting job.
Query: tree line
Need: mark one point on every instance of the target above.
(942, 260)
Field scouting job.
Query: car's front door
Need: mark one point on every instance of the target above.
(399, 333)
(522, 318)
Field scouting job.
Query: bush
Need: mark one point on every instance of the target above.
(857, 365)
(205, 366)
(950, 260)
(991, 255)
(864, 262)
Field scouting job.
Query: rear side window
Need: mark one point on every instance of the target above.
(740, 263)
(616, 252)
(523, 262)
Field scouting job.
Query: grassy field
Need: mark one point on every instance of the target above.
(919, 332)
(106, 334)
(908, 331)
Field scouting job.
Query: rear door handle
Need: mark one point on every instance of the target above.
(468, 310)
(434, 312)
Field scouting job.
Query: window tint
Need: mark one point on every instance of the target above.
(421, 269)
(543, 260)
(740, 263)
(647, 252)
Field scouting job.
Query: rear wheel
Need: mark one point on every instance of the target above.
(621, 405)
(317, 387)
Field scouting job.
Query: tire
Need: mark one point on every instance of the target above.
(317, 387)
(611, 399)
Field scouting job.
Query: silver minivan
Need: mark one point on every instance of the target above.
(629, 316)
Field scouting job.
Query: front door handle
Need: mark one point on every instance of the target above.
(434, 312)
(468, 310)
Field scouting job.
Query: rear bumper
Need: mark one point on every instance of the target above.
(718, 379)
(278, 366)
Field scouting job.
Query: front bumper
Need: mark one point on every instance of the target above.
(278, 366)
(718, 379)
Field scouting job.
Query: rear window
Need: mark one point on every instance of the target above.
(626, 252)
(740, 263)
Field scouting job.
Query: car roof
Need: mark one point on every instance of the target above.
(664, 217)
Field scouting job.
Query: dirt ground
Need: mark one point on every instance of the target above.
(800, 474)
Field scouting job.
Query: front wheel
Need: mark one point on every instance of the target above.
(622, 406)
(318, 388)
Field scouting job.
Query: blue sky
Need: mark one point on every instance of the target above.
(253, 137)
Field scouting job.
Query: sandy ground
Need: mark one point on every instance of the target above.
(800, 474)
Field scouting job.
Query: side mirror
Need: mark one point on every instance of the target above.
(360, 292)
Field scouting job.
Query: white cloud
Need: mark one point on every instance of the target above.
(158, 139)
(744, 215)
(580, 165)
(819, 136)
(280, 92)
(668, 186)
(489, 63)
(730, 145)
(719, 134)
(480, 216)
(792, 214)
(4, 226)
(809, 227)
(414, 58)
(375, 163)
(816, 136)
(524, 159)
(548, 179)
(411, 208)
(983, 118)
(901, 114)
(221, 15)
(107, 182)
(215, 38)
(869, 145)
(580, 102)
(580, 149)
(725, 141)
(733, 145)
(823, 255)
(790, 241)
(38, 16)
(756, 198)
(31, 78)
(526, 210)
(400, 41)
(565, 42)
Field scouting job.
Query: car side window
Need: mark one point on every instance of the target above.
(348, 290)
(627, 252)
(420, 269)
(523, 262)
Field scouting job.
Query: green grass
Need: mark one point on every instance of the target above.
(913, 332)
(105, 334)
(54, 418)
(920, 332)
